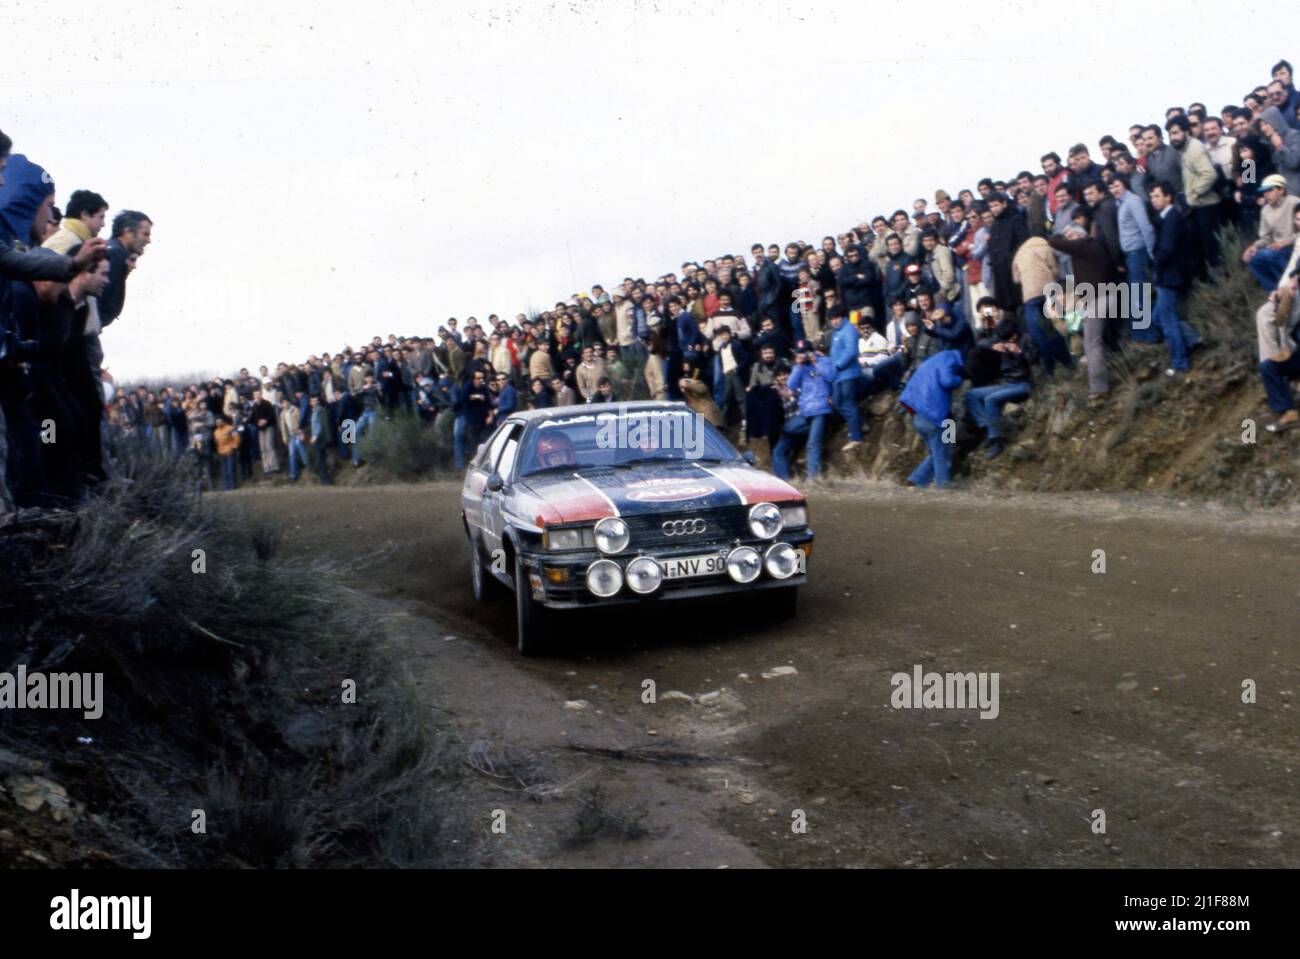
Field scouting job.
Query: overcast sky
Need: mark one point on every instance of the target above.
(319, 173)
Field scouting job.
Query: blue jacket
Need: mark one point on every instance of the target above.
(844, 352)
(895, 280)
(1169, 261)
(25, 188)
(929, 391)
(688, 331)
(507, 400)
(813, 384)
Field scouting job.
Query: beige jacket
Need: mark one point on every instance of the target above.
(539, 364)
(290, 423)
(945, 271)
(588, 377)
(1199, 175)
(1034, 267)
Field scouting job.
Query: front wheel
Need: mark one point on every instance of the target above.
(483, 584)
(533, 617)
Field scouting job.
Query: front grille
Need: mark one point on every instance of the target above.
(721, 525)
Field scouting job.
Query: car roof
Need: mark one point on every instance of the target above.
(560, 412)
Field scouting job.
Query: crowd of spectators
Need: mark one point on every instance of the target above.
(61, 284)
(1016, 280)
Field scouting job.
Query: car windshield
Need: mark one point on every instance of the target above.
(614, 439)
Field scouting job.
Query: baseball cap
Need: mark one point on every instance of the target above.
(912, 268)
(1273, 180)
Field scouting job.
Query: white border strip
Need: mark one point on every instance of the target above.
(744, 501)
(603, 494)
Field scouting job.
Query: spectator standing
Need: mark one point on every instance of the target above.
(227, 440)
(1169, 264)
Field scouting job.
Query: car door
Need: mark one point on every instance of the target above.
(474, 493)
(500, 460)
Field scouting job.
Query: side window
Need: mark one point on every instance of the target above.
(507, 464)
(493, 449)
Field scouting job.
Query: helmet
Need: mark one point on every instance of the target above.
(556, 449)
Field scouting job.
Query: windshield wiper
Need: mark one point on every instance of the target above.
(638, 460)
(550, 469)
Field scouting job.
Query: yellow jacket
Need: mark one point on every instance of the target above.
(227, 439)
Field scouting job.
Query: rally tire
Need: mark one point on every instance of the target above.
(533, 618)
(483, 584)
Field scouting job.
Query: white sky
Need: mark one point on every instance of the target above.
(322, 172)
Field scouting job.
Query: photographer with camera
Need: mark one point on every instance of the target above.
(811, 382)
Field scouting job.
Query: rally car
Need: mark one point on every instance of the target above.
(626, 503)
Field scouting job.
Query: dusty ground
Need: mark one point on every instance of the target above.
(1119, 691)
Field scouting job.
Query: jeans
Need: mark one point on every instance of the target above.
(886, 375)
(938, 465)
(845, 394)
(985, 403)
(1052, 348)
(1277, 385)
(363, 427)
(1267, 265)
(1140, 325)
(1204, 222)
(229, 462)
(322, 464)
(797, 431)
(797, 331)
(1166, 315)
(297, 456)
(465, 438)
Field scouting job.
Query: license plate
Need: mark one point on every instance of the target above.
(683, 567)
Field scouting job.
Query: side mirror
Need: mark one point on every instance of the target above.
(495, 483)
(749, 457)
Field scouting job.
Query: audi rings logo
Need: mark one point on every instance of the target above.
(683, 527)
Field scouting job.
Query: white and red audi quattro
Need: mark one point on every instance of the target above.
(623, 503)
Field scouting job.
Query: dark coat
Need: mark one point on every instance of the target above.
(1105, 218)
(1009, 231)
(1090, 260)
(1170, 257)
(859, 285)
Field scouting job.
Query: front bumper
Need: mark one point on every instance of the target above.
(571, 591)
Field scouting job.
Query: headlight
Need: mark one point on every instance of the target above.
(574, 538)
(792, 517)
(644, 575)
(744, 564)
(782, 561)
(612, 535)
(604, 578)
(765, 521)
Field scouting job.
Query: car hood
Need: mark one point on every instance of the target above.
(651, 489)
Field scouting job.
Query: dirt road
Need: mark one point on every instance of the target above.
(1120, 692)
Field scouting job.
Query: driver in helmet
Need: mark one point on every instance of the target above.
(556, 449)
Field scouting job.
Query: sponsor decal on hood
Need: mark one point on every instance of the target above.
(595, 494)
